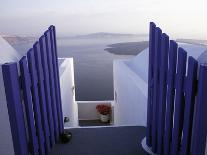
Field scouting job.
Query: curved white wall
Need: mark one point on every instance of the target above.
(130, 105)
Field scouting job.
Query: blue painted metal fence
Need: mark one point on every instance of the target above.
(34, 93)
(177, 101)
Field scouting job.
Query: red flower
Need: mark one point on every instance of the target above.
(103, 109)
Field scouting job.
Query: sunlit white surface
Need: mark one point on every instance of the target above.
(67, 86)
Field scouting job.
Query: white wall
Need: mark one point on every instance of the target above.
(69, 106)
(7, 54)
(130, 105)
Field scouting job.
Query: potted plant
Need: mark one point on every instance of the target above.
(104, 111)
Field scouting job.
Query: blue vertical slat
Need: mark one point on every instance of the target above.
(42, 99)
(59, 92)
(179, 101)
(190, 93)
(26, 85)
(170, 96)
(155, 101)
(15, 108)
(35, 98)
(150, 84)
(52, 84)
(162, 91)
(47, 88)
(56, 55)
(56, 80)
(200, 122)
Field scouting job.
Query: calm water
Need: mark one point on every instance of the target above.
(93, 66)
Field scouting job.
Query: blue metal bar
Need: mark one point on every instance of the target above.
(190, 93)
(52, 84)
(47, 88)
(162, 91)
(170, 96)
(179, 102)
(42, 98)
(26, 84)
(200, 122)
(56, 55)
(150, 84)
(56, 78)
(35, 98)
(158, 33)
(15, 108)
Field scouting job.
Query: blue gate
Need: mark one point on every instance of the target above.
(177, 101)
(33, 92)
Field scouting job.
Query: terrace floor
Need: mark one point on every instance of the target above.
(103, 141)
(83, 123)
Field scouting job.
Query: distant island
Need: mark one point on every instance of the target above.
(15, 39)
(128, 48)
(102, 35)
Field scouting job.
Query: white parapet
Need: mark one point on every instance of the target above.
(67, 86)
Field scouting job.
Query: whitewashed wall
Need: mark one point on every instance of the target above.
(7, 54)
(69, 106)
(130, 105)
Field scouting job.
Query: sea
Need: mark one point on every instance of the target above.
(93, 66)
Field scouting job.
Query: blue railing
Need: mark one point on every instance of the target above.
(33, 97)
(177, 101)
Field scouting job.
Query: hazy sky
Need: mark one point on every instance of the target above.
(179, 18)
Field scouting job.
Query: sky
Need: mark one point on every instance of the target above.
(178, 18)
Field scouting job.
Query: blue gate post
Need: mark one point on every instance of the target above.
(56, 78)
(47, 88)
(150, 84)
(162, 91)
(200, 121)
(41, 92)
(15, 108)
(170, 96)
(179, 101)
(52, 84)
(26, 84)
(158, 33)
(190, 93)
(35, 98)
(56, 55)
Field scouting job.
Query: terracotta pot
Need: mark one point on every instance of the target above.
(104, 118)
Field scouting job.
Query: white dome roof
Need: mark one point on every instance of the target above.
(139, 64)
